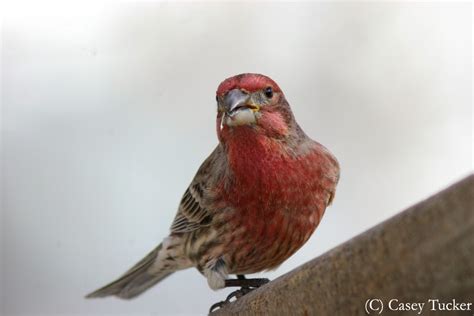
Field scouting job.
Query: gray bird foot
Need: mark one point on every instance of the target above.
(217, 305)
(236, 294)
(247, 285)
(252, 283)
(239, 293)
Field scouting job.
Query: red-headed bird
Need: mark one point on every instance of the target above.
(253, 202)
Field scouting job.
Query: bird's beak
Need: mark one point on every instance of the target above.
(237, 99)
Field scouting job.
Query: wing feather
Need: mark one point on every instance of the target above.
(195, 210)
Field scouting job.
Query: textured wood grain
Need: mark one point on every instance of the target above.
(426, 251)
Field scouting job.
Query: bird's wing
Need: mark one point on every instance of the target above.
(192, 214)
(195, 208)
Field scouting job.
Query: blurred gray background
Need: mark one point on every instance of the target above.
(108, 111)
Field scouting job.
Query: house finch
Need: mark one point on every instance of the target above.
(253, 202)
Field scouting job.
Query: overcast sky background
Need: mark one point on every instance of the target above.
(108, 110)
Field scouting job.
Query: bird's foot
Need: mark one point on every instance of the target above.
(217, 305)
(239, 293)
(236, 294)
(247, 285)
(252, 283)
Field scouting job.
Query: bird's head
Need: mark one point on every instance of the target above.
(252, 101)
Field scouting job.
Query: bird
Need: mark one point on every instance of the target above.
(253, 202)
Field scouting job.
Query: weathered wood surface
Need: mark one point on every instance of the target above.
(425, 252)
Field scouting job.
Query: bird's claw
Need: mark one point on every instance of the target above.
(217, 305)
(237, 294)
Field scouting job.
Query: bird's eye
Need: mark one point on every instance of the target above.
(268, 92)
(217, 98)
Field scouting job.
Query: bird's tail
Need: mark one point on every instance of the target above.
(138, 279)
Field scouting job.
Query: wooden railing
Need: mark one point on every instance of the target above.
(424, 253)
